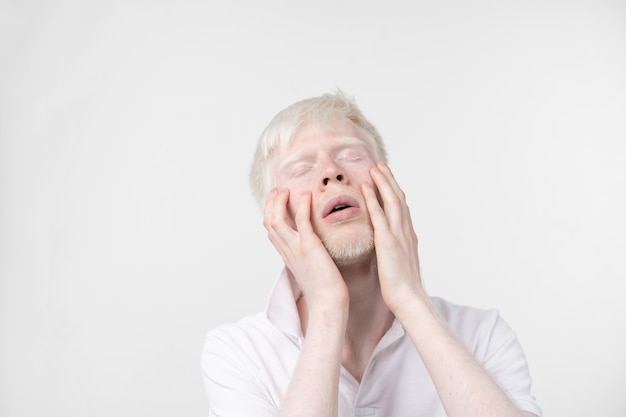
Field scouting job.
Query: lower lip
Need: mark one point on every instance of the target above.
(344, 214)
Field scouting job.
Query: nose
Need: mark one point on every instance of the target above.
(332, 172)
(339, 178)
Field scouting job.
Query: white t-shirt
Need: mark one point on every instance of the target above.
(247, 366)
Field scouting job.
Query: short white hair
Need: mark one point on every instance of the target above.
(323, 112)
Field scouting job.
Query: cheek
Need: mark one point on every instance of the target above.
(292, 206)
(296, 184)
(365, 177)
(295, 197)
(368, 179)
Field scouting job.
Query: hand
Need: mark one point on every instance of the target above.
(395, 240)
(302, 251)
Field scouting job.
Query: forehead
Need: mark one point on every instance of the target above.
(315, 137)
(310, 139)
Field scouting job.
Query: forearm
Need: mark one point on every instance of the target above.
(314, 386)
(464, 387)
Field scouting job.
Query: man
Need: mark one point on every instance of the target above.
(349, 329)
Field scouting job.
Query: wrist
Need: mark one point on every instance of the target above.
(329, 309)
(414, 306)
(327, 320)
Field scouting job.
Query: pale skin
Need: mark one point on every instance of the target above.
(345, 310)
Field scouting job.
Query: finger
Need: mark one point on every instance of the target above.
(376, 212)
(392, 200)
(270, 223)
(273, 207)
(384, 168)
(391, 179)
(276, 219)
(279, 211)
(303, 215)
(269, 207)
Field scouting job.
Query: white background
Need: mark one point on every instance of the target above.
(127, 229)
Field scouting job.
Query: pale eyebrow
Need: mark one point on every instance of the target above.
(342, 142)
(347, 141)
(291, 160)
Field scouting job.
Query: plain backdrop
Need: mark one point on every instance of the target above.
(127, 229)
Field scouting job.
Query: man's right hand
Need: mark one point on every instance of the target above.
(303, 253)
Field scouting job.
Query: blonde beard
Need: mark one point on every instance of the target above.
(346, 251)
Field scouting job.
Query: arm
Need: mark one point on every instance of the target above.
(314, 387)
(464, 387)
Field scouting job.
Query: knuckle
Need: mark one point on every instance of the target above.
(271, 223)
(275, 224)
(395, 201)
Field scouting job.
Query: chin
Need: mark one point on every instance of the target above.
(350, 250)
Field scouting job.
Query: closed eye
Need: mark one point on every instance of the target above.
(300, 170)
(352, 153)
(350, 158)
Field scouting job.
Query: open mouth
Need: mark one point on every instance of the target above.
(340, 203)
(339, 208)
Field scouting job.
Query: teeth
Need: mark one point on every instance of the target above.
(341, 207)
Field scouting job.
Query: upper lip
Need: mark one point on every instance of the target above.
(339, 200)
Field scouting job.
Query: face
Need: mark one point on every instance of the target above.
(331, 165)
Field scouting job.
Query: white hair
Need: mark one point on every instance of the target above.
(323, 112)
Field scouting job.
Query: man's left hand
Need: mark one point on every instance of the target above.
(395, 240)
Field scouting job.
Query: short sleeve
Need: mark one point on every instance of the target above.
(232, 381)
(495, 345)
(505, 361)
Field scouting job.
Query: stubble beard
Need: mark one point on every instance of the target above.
(347, 249)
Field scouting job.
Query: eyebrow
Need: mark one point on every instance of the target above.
(342, 142)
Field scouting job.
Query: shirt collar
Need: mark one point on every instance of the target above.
(281, 310)
(281, 307)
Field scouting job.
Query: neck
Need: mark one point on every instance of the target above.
(367, 308)
(368, 320)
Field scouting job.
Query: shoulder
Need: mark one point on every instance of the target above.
(242, 366)
(495, 345)
(246, 333)
(231, 351)
(251, 340)
(481, 330)
(463, 317)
